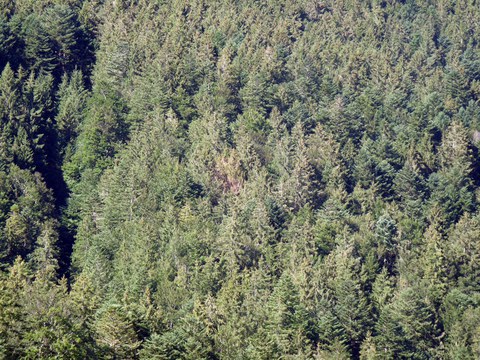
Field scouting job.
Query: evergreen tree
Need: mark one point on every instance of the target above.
(406, 327)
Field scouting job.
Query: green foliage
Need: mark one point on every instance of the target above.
(239, 179)
(116, 333)
(72, 102)
(406, 327)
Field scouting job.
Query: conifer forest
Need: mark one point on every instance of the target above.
(240, 179)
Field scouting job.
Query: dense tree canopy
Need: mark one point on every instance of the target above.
(195, 179)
